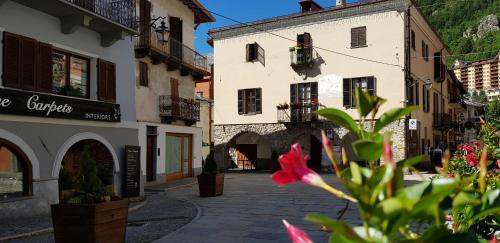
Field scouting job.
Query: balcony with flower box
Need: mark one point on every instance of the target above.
(297, 112)
(173, 108)
(112, 19)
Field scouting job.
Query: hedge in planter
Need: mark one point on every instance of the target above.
(210, 182)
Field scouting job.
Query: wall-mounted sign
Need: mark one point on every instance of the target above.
(132, 168)
(27, 103)
(412, 124)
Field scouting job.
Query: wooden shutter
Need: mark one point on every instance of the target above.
(176, 28)
(145, 20)
(106, 83)
(261, 55)
(29, 49)
(143, 74)
(241, 101)
(371, 85)
(44, 67)
(258, 101)
(293, 94)
(409, 91)
(428, 100)
(307, 40)
(437, 66)
(248, 53)
(11, 60)
(347, 92)
(354, 37)
(417, 93)
(413, 39)
(174, 87)
(362, 36)
(314, 91)
(423, 49)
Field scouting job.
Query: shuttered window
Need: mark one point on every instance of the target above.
(254, 52)
(351, 84)
(106, 81)
(413, 41)
(144, 24)
(174, 87)
(27, 63)
(439, 68)
(426, 99)
(250, 101)
(143, 74)
(304, 101)
(358, 37)
(425, 51)
(417, 93)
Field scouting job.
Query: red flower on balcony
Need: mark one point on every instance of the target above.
(471, 159)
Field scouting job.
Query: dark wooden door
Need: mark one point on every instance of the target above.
(315, 154)
(150, 156)
(246, 156)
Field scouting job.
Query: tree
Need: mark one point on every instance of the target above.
(492, 112)
(479, 97)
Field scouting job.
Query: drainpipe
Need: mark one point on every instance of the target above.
(407, 73)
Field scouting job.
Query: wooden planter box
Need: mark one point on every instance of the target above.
(211, 185)
(102, 222)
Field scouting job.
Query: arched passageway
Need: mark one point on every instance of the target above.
(248, 151)
(15, 171)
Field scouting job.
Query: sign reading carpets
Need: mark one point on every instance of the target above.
(25, 103)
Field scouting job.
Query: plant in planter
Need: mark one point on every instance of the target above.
(283, 106)
(91, 213)
(210, 181)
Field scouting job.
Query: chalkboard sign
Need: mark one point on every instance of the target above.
(132, 168)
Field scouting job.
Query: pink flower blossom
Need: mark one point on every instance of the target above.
(387, 154)
(296, 234)
(449, 218)
(294, 168)
(327, 145)
(471, 159)
(493, 239)
(468, 148)
(460, 147)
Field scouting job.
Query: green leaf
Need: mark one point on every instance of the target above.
(412, 161)
(367, 149)
(364, 102)
(341, 118)
(337, 227)
(338, 238)
(379, 181)
(491, 197)
(392, 116)
(375, 235)
(464, 198)
(356, 173)
(390, 207)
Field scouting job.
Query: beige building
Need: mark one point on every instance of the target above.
(480, 75)
(271, 75)
(166, 69)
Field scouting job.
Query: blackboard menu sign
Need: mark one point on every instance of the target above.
(132, 168)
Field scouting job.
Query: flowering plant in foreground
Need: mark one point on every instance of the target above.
(389, 210)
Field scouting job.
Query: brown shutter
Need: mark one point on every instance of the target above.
(258, 101)
(354, 37)
(247, 58)
(111, 85)
(241, 103)
(362, 36)
(145, 20)
(261, 54)
(143, 74)
(44, 63)
(437, 66)
(307, 40)
(417, 92)
(29, 49)
(347, 92)
(106, 83)
(11, 60)
(371, 85)
(176, 28)
(174, 87)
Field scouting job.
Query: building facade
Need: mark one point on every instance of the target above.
(480, 76)
(288, 67)
(204, 90)
(67, 84)
(167, 109)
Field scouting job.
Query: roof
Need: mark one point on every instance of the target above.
(201, 14)
(463, 64)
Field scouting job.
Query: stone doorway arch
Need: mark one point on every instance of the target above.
(248, 151)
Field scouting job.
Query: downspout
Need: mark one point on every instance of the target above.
(407, 74)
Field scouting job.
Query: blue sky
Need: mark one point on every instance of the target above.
(245, 10)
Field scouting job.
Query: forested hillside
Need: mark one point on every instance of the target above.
(467, 26)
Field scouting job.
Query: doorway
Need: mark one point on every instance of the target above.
(246, 156)
(151, 153)
(178, 156)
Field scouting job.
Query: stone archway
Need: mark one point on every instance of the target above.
(248, 151)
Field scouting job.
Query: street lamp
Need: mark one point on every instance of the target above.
(162, 32)
(428, 84)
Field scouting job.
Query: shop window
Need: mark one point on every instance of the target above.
(15, 172)
(70, 74)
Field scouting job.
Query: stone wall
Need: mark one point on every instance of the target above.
(281, 136)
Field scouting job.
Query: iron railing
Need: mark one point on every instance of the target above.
(300, 56)
(297, 113)
(179, 108)
(173, 49)
(441, 121)
(120, 11)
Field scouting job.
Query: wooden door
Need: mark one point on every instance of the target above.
(150, 156)
(179, 153)
(246, 156)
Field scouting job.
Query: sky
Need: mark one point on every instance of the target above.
(245, 11)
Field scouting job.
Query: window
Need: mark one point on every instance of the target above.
(304, 101)
(254, 52)
(303, 52)
(143, 74)
(425, 99)
(70, 74)
(439, 67)
(350, 85)
(15, 172)
(358, 37)
(250, 101)
(436, 103)
(106, 81)
(425, 51)
(413, 39)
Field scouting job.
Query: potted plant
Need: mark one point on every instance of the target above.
(210, 181)
(91, 213)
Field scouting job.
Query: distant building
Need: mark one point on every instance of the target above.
(204, 91)
(479, 75)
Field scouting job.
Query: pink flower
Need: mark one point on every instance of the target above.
(468, 148)
(387, 154)
(481, 121)
(296, 234)
(327, 145)
(460, 147)
(294, 168)
(471, 159)
(449, 218)
(493, 239)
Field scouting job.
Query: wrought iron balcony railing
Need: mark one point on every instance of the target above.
(441, 121)
(297, 113)
(175, 108)
(172, 52)
(119, 11)
(300, 56)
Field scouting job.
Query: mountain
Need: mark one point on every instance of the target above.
(467, 26)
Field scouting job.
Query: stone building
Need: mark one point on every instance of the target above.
(480, 75)
(167, 67)
(67, 83)
(272, 74)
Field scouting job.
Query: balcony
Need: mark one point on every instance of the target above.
(113, 19)
(174, 108)
(297, 113)
(173, 53)
(441, 121)
(301, 57)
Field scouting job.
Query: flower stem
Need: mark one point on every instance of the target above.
(338, 193)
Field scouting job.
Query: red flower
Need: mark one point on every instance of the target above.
(468, 148)
(294, 168)
(296, 234)
(471, 159)
(493, 239)
(460, 147)
(481, 121)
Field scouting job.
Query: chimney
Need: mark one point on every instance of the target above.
(309, 6)
(340, 3)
